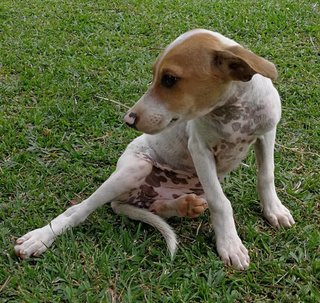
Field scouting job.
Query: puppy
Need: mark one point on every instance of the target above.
(210, 100)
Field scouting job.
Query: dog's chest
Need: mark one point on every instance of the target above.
(241, 119)
(235, 127)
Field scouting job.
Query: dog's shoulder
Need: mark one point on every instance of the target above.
(252, 108)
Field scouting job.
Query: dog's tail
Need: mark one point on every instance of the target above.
(148, 217)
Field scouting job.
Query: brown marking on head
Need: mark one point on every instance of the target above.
(200, 67)
(243, 64)
(194, 85)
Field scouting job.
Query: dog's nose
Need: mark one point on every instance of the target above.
(131, 119)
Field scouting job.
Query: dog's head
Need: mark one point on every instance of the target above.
(189, 78)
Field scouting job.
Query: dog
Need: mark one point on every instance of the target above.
(209, 101)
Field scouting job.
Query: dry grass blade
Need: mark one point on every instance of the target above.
(113, 101)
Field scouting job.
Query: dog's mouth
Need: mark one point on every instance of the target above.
(173, 121)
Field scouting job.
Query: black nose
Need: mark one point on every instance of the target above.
(131, 119)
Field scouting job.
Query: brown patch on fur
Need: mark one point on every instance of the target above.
(236, 126)
(256, 63)
(197, 191)
(247, 129)
(154, 178)
(174, 178)
(228, 113)
(145, 197)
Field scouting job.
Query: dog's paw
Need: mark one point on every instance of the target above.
(191, 206)
(278, 215)
(34, 243)
(233, 253)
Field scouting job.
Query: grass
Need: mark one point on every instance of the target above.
(59, 141)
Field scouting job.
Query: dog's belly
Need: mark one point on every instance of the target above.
(166, 183)
(163, 183)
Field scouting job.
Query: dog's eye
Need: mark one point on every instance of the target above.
(168, 81)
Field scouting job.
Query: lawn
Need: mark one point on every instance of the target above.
(62, 64)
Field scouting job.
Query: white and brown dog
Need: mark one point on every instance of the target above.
(210, 99)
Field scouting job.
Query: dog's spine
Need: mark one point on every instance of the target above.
(148, 217)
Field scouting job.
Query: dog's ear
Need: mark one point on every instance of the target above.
(239, 63)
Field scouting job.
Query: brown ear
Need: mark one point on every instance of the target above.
(241, 64)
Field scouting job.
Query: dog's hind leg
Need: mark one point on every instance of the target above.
(130, 173)
(188, 205)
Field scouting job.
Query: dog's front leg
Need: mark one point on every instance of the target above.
(131, 171)
(274, 211)
(229, 245)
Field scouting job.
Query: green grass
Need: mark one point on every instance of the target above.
(59, 141)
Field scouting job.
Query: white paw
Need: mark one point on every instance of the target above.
(278, 215)
(233, 253)
(34, 243)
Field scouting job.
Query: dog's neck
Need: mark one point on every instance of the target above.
(235, 91)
